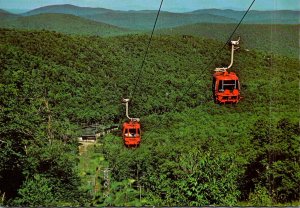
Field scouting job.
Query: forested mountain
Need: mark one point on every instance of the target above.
(193, 152)
(5, 14)
(280, 39)
(143, 20)
(256, 17)
(140, 20)
(67, 9)
(277, 38)
(64, 23)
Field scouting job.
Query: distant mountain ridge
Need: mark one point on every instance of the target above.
(67, 9)
(6, 14)
(257, 17)
(64, 23)
(144, 19)
(72, 19)
(4, 11)
(284, 41)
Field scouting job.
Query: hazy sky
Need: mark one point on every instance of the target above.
(169, 5)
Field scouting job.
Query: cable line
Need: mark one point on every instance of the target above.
(146, 53)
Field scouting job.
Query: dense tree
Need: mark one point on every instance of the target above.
(193, 152)
(275, 165)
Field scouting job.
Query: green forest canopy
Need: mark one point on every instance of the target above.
(193, 152)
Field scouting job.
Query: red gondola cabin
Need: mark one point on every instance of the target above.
(226, 87)
(131, 133)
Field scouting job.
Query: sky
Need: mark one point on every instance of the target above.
(168, 5)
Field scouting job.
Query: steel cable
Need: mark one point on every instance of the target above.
(146, 53)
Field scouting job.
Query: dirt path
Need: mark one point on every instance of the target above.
(84, 146)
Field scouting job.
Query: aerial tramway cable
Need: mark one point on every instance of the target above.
(147, 49)
(131, 130)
